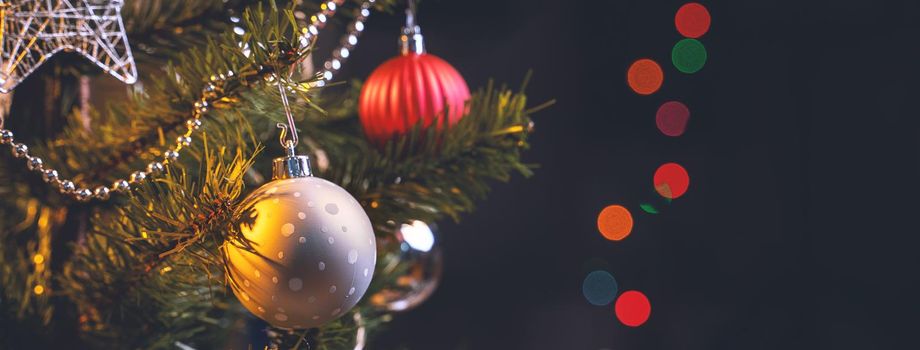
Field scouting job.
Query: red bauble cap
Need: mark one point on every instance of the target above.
(407, 89)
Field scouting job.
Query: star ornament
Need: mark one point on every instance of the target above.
(31, 31)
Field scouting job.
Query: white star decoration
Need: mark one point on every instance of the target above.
(31, 31)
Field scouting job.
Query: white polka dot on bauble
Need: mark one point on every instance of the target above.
(281, 317)
(246, 283)
(352, 256)
(280, 255)
(287, 229)
(302, 215)
(311, 204)
(303, 240)
(275, 279)
(351, 291)
(258, 274)
(296, 194)
(332, 208)
(295, 284)
(332, 289)
(336, 312)
(321, 265)
(272, 190)
(331, 240)
(324, 229)
(365, 272)
(315, 317)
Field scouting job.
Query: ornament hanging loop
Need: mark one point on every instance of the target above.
(287, 144)
(411, 40)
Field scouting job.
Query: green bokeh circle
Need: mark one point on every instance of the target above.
(688, 56)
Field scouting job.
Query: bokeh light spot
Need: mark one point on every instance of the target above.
(633, 308)
(689, 56)
(645, 76)
(599, 287)
(648, 208)
(692, 20)
(615, 222)
(671, 180)
(672, 118)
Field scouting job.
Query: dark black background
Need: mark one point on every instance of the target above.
(798, 230)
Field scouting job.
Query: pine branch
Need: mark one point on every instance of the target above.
(150, 272)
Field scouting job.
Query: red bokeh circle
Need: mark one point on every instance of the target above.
(672, 118)
(692, 20)
(633, 308)
(671, 180)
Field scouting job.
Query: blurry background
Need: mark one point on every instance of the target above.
(803, 149)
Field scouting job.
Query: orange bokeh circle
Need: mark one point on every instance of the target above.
(615, 222)
(645, 76)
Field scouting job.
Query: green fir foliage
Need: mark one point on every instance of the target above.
(145, 271)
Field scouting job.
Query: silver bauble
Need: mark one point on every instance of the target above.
(411, 264)
(314, 246)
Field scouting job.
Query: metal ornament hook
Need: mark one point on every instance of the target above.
(288, 145)
(411, 40)
(290, 119)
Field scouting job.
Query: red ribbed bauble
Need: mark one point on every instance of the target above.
(407, 89)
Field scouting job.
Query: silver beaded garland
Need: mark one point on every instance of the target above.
(193, 124)
(67, 187)
(101, 193)
(50, 175)
(6, 136)
(201, 106)
(121, 186)
(138, 177)
(20, 150)
(155, 168)
(208, 93)
(34, 163)
(170, 155)
(83, 194)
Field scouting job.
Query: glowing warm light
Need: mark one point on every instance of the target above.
(689, 56)
(672, 118)
(38, 290)
(374, 204)
(645, 76)
(599, 287)
(633, 308)
(38, 259)
(418, 235)
(671, 180)
(165, 270)
(615, 222)
(692, 20)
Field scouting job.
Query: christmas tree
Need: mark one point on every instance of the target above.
(143, 262)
